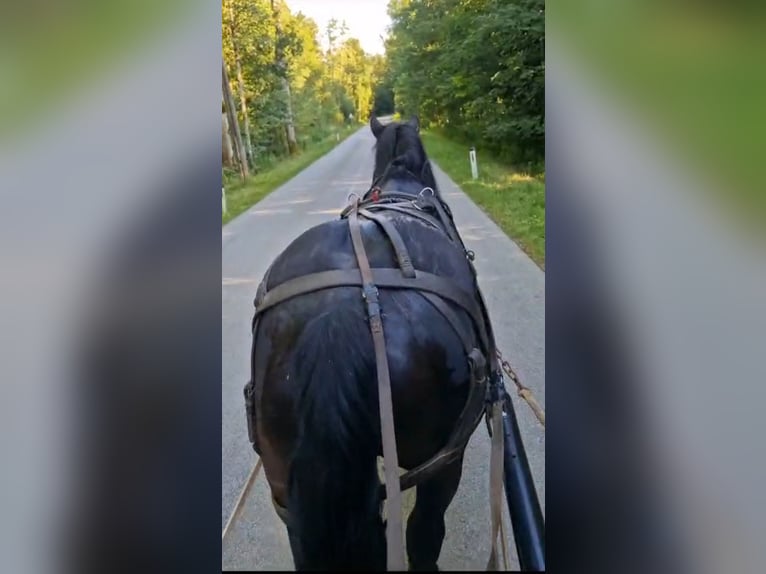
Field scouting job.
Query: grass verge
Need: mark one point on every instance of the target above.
(241, 196)
(512, 199)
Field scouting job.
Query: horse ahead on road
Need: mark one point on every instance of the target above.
(321, 369)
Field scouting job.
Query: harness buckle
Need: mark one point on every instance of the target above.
(478, 365)
(495, 393)
(496, 388)
(370, 295)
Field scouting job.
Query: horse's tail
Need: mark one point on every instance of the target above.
(334, 502)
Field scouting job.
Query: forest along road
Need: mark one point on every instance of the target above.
(514, 288)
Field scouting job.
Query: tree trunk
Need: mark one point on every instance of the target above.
(291, 141)
(243, 104)
(241, 89)
(226, 147)
(280, 138)
(292, 144)
(236, 137)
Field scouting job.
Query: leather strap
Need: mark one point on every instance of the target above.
(400, 249)
(382, 277)
(407, 209)
(447, 222)
(489, 333)
(394, 531)
(464, 427)
(451, 318)
(496, 485)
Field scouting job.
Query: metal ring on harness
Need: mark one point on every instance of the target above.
(350, 195)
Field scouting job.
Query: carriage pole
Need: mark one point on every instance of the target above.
(521, 496)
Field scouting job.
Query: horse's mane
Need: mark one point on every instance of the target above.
(399, 146)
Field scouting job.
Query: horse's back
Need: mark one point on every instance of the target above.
(328, 246)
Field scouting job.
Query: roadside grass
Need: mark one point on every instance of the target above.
(241, 196)
(513, 199)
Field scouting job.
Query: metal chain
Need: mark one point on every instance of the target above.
(524, 392)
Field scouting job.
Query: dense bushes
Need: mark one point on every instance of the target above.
(474, 67)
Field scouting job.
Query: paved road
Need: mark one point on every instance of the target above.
(514, 287)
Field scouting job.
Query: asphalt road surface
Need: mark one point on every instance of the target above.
(514, 288)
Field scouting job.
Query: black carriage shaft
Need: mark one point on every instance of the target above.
(523, 504)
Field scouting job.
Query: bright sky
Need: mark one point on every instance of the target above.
(366, 19)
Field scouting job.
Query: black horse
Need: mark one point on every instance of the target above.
(314, 410)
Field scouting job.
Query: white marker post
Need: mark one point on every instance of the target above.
(223, 200)
(474, 166)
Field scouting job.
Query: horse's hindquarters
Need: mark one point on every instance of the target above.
(428, 368)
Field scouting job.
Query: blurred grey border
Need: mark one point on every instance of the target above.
(110, 304)
(655, 338)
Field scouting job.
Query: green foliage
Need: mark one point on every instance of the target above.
(383, 103)
(474, 67)
(346, 105)
(325, 86)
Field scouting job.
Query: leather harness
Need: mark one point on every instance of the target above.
(484, 397)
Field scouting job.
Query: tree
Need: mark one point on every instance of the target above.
(475, 68)
(234, 125)
(234, 29)
(290, 91)
(227, 149)
(281, 68)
